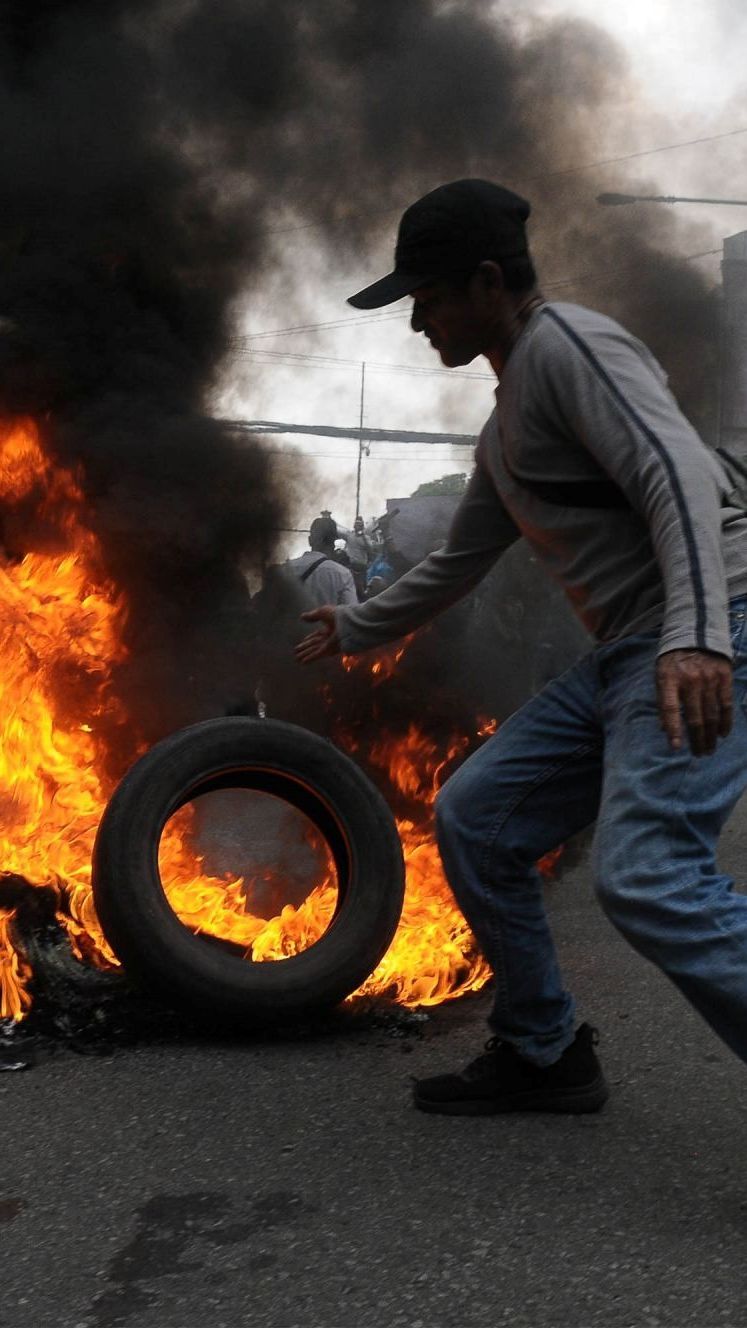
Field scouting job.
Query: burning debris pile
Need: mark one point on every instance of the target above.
(63, 629)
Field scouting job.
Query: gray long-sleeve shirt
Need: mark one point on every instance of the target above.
(582, 402)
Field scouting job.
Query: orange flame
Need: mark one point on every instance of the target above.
(61, 630)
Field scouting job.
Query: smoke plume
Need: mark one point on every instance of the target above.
(149, 152)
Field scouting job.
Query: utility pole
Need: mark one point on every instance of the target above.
(733, 376)
(360, 442)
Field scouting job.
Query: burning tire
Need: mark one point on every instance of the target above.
(298, 767)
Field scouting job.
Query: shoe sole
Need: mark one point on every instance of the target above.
(566, 1101)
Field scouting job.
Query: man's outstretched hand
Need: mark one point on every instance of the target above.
(323, 641)
(695, 684)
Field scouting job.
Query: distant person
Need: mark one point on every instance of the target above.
(341, 557)
(589, 459)
(323, 579)
(380, 527)
(379, 574)
(387, 564)
(361, 549)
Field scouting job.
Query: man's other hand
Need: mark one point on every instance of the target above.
(324, 641)
(696, 684)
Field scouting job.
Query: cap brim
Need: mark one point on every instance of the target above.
(392, 287)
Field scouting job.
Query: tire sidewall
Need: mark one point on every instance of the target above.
(149, 938)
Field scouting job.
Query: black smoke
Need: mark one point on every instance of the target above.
(120, 255)
(150, 150)
(344, 112)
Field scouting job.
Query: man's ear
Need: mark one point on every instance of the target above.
(490, 275)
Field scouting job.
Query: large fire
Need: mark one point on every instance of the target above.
(60, 633)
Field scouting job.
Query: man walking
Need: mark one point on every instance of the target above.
(588, 457)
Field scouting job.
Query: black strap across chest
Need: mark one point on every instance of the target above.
(313, 566)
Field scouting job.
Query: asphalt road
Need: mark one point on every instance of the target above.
(287, 1183)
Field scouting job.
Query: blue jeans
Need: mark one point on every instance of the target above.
(588, 747)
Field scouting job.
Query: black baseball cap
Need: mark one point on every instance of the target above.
(452, 229)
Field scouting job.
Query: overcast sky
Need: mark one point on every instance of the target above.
(687, 81)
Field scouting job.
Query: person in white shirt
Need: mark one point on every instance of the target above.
(324, 580)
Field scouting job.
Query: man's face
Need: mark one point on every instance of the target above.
(460, 319)
(358, 525)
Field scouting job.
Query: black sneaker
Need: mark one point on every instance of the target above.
(502, 1080)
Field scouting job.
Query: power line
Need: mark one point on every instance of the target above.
(596, 273)
(353, 458)
(546, 175)
(290, 358)
(313, 327)
(282, 362)
(384, 365)
(631, 156)
(240, 341)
